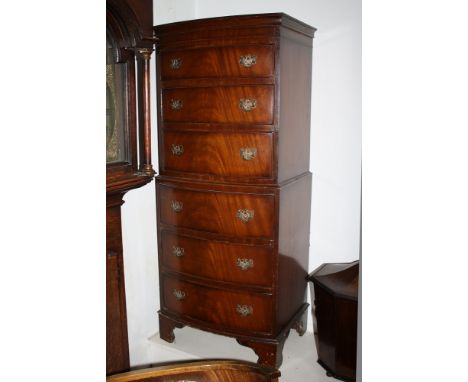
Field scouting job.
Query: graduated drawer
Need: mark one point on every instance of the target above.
(235, 214)
(221, 308)
(229, 154)
(239, 263)
(224, 104)
(234, 61)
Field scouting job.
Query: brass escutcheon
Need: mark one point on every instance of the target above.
(176, 104)
(177, 206)
(247, 104)
(179, 295)
(177, 150)
(244, 264)
(244, 310)
(245, 215)
(176, 63)
(248, 153)
(178, 251)
(248, 60)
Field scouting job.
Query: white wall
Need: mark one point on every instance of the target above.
(167, 11)
(335, 150)
(140, 257)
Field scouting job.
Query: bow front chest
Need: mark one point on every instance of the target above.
(234, 187)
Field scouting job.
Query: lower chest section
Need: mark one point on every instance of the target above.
(218, 256)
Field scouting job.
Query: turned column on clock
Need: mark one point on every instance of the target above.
(143, 60)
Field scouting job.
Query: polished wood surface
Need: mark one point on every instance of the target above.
(257, 28)
(294, 109)
(202, 371)
(293, 247)
(144, 55)
(218, 62)
(216, 307)
(336, 293)
(234, 186)
(117, 354)
(245, 264)
(220, 155)
(216, 211)
(218, 104)
(129, 27)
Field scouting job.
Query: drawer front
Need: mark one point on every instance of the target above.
(243, 61)
(221, 308)
(228, 104)
(244, 264)
(230, 155)
(233, 214)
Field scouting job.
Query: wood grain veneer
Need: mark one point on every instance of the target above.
(245, 264)
(218, 104)
(218, 306)
(219, 154)
(201, 371)
(217, 62)
(224, 209)
(216, 211)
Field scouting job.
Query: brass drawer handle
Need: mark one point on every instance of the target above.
(177, 150)
(176, 104)
(248, 153)
(245, 215)
(244, 264)
(247, 104)
(178, 251)
(179, 295)
(177, 206)
(176, 63)
(244, 310)
(248, 61)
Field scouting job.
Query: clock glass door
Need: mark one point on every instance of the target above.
(116, 107)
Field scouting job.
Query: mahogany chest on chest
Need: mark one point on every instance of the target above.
(234, 187)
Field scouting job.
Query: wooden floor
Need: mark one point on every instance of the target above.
(299, 363)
